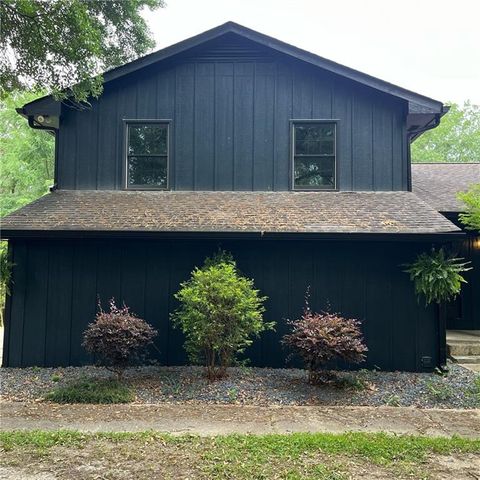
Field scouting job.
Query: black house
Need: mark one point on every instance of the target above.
(297, 165)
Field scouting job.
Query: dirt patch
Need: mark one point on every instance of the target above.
(458, 467)
(103, 460)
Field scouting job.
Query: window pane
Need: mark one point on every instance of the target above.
(147, 172)
(314, 172)
(315, 139)
(147, 139)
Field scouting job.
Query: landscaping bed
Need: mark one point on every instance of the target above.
(259, 386)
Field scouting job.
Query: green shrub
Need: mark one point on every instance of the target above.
(220, 311)
(117, 338)
(88, 390)
(437, 276)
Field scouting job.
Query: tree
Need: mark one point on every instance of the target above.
(471, 198)
(455, 140)
(56, 44)
(27, 156)
(5, 276)
(219, 313)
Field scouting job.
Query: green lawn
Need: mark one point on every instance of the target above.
(296, 456)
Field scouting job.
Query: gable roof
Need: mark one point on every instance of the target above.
(438, 183)
(228, 212)
(419, 104)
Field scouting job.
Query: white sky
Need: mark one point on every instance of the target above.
(429, 46)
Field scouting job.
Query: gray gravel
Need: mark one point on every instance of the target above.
(460, 388)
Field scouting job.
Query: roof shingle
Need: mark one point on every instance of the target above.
(279, 212)
(438, 183)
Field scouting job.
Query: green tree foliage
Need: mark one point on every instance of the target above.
(5, 275)
(27, 156)
(455, 140)
(471, 198)
(437, 276)
(219, 313)
(55, 44)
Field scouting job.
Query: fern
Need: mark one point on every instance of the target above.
(437, 276)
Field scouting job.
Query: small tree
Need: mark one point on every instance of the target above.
(5, 277)
(471, 217)
(219, 314)
(437, 276)
(319, 338)
(117, 338)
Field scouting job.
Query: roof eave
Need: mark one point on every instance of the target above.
(207, 235)
(273, 43)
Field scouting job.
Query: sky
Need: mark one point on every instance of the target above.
(429, 46)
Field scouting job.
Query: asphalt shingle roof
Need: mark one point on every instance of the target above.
(438, 183)
(279, 212)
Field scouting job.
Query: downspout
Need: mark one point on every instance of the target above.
(440, 309)
(54, 131)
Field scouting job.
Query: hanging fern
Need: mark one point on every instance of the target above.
(437, 276)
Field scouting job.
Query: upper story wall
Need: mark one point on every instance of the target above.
(231, 106)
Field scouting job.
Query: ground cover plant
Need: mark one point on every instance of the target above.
(117, 338)
(220, 313)
(88, 390)
(320, 338)
(296, 456)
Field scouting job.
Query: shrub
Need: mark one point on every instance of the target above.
(88, 390)
(219, 312)
(117, 338)
(319, 338)
(437, 276)
(5, 277)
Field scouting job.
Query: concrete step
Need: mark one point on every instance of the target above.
(464, 348)
(467, 359)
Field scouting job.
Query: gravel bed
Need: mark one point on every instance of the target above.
(460, 388)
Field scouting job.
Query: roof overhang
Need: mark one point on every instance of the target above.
(287, 236)
(421, 105)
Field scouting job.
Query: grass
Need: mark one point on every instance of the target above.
(86, 390)
(295, 456)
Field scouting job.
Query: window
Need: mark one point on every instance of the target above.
(147, 155)
(314, 155)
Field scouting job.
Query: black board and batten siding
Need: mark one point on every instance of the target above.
(231, 103)
(56, 284)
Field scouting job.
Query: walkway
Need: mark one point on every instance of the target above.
(224, 419)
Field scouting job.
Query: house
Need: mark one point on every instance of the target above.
(438, 185)
(296, 164)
